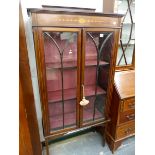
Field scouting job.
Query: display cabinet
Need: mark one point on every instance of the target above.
(76, 57)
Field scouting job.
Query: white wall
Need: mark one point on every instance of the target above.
(95, 4)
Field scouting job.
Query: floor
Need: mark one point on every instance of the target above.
(89, 144)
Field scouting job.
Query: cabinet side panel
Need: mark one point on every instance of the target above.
(113, 113)
(112, 72)
(41, 78)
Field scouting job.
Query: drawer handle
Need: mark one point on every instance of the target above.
(131, 106)
(127, 131)
(130, 117)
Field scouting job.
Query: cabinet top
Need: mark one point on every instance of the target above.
(125, 83)
(49, 11)
(46, 17)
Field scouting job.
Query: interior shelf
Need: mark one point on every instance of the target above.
(90, 90)
(55, 96)
(94, 63)
(73, 64)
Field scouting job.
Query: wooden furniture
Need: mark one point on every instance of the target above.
(29, 139)
(25, 145)
(65, 8)
(122, 113)
(76, 57)
(126, 48)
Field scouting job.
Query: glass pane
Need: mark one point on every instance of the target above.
(127, 60)
(70, 113)
(121, 6)
(61, 73)
(98, 49)
(126, 7)
(126, 28)
(133, 32)
(56, 114)
(132, 7)
(120, 58)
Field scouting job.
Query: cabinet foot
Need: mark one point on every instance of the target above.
(113, 145)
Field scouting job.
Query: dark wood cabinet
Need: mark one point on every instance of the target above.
(76, 57)
(122, 111)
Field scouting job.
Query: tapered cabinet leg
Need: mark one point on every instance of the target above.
(47, 148)
(101, 130)
(103, 136)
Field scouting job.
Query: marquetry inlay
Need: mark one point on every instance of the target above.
(70, 20)
(80, 20)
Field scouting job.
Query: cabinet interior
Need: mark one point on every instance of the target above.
(61, 57)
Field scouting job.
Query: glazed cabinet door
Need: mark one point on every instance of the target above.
(97, 50)
(58, 59)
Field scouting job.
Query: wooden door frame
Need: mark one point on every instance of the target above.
(41, 70)
(112, 66)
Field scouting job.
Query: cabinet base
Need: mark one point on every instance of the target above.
(113, 145)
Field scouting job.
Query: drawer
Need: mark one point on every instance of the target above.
(125, 130)
(126, 116)
(127, 104)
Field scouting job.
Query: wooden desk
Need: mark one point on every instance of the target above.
(122, 111)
